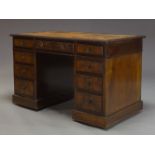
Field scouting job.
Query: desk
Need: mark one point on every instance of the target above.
(102, 72)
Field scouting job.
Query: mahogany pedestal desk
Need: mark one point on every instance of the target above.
(102, 72)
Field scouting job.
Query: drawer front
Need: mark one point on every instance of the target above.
(23, 57)
(89, 83)
(24, 87)
(25, 43)
(55, 46)
(24, 71)
(88, 102)
(89, 66)
(93, 50)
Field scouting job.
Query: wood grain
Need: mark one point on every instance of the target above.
(54, 46)
(87, 49)
(24, 87)
(107, 122)
(24, 43)
(101, 71)
(122, 81)
(89, 66)
(24, 71)
(79, 36)
(23, 57)
(88, 102)
(89, 83)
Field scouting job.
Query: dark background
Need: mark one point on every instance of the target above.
(140, 124)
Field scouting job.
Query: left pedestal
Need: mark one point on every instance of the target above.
(39, 79)
(25, 78)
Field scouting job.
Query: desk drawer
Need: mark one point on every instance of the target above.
(55, 46)
(89, 83)
(88, 102)
(93, 50)
(24, 71)
(89, 66)
(25, 43)
(24, 87)
(23, 57)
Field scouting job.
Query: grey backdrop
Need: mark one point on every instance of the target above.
(57, 119)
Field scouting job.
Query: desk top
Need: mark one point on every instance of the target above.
(78, 36)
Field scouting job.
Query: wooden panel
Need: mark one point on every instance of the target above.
(85, 49)
(124, 47)
(23, 57)
(55, 46)
(24, 87)
(89, 83)
(24, 71)
(122, 81)
(25, 43)
(88, 102)
(84, 65)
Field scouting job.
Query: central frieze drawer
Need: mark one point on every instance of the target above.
(88, 66)
(55, 46)
(90, 102)
(24, 71)
(89, 83)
